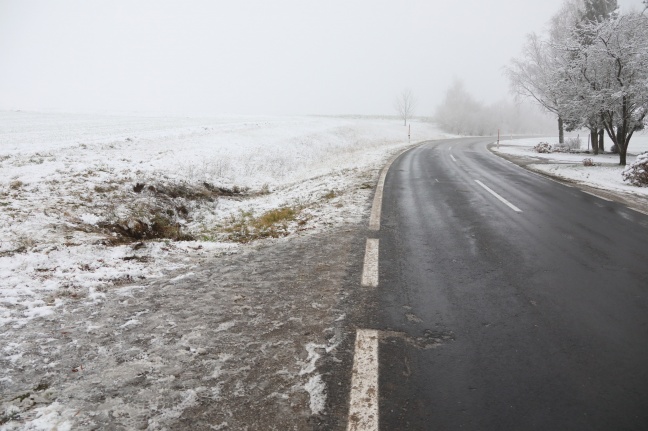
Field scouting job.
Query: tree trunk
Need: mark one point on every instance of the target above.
(622, 156)
(601, 142)
(594, 140)
(561, 131)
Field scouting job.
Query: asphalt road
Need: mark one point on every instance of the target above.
(494, 319)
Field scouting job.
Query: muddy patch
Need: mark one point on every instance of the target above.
(246, 341)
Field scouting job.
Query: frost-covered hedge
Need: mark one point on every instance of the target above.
(637, 173)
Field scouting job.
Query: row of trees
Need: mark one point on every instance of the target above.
(590, 70)
(460, 113)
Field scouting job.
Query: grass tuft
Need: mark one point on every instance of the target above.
(271, 224)
(271, 218)
(330, 195)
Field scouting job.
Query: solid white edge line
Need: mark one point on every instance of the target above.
(510, 205)
(638, 211)
(370, 267)
(363, 400)
(376, 207)
(597, 196)
(529, 170)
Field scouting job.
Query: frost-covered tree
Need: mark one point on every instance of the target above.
(405, 104)
(609, 77)
(537, 72)
(599, 10)
(596, 11)
(460, 113)
(534, 76)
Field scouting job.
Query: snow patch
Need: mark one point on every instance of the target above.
(316, 389)
(90, 219)
(52, 417)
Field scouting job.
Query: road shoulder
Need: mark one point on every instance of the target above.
(632, 201)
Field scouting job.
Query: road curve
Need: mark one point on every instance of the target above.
(492, 318)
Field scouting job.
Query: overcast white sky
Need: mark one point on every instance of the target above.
(257, 56)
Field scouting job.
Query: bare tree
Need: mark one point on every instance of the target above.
(405, 105)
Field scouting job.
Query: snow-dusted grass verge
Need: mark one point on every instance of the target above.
(92, 202)
(606, 174)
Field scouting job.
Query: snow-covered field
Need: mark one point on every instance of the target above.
(69, 194)
(606, 174)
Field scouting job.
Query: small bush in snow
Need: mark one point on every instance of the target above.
(637, 173)
(543, 147)
(571, 144)
(614, 149)
(588, 162)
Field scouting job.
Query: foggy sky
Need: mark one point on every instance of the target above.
(257, 56)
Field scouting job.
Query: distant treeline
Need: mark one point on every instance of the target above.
(461, 114)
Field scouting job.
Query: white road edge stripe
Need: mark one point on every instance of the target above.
(638, 210)
(510, 205)
(376, 207)
(363, 403)
(370, 268)
(530, 171)
(597, 196)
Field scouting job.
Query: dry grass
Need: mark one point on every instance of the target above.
(330, 195)
(152, 210)
(159, 226)
(271, 224)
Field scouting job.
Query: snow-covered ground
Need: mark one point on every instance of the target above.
(74, 187)
(606, 174)
(68, 181)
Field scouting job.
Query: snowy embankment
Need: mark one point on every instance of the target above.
(606, 174)
(81, 197)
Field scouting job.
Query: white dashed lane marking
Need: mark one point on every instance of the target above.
(501, 199)
(370, 267)
(363, 404)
